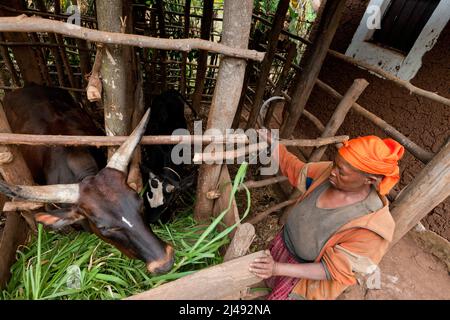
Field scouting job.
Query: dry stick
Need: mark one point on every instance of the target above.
(251, 184)
(260, 216)
(412, 147)
(34, 24)
(266, 65)
(14, 206)
(339, 114)
(94, 87)
(98, 141)
(218, 157)
(402, 83)
(425, 192)
(202, 61)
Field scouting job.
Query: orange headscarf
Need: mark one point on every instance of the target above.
(377, 156)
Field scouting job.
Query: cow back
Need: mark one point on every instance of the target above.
(37, 109)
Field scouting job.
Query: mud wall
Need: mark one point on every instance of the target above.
(423, 121)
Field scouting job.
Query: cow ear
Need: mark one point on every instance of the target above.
(58, 219)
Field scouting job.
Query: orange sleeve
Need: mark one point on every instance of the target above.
(290, 165)
(362, 243)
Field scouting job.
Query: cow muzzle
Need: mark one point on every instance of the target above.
(163, 265)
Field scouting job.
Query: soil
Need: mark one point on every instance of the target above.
(408, 272)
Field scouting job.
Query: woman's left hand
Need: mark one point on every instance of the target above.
(263, 267)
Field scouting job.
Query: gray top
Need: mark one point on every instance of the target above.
(308, 227)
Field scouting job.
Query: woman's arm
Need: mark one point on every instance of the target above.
(266, 267)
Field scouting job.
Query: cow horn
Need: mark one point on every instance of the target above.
(59, 193)
(120, 159)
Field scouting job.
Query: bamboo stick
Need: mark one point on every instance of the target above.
(34, 24)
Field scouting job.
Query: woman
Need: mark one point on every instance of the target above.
(341, 224)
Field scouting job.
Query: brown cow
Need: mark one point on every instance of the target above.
(102, 199)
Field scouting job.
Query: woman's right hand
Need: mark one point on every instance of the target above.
(263, 267)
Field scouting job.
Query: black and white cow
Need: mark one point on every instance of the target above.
(166, 180)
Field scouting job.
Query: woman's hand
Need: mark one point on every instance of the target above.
(263, 267)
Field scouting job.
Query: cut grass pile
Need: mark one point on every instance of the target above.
(79, 266)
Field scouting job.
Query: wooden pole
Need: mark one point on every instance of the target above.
(187, 11)
(339, 114)
(113, 71)
(426, 191)
(227, 280)
(291, 53)
(330, 20)
(417, 151)
(236, 28)
(202, 61)
(266, 64)
(16, 230)
(98, 141)
(35, 24)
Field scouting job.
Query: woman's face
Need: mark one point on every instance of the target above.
(345, 177)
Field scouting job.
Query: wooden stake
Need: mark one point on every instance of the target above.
(423, 194)
(113, 70)
(241, 242)
(302, 90)
(16, 230)
(236, 29)
(339, 114)
(277, 26)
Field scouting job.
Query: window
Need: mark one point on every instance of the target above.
(407, 30)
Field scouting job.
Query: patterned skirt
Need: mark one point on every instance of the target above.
(281, 286)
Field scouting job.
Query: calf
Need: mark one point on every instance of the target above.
(100, 198)
(166, 180)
